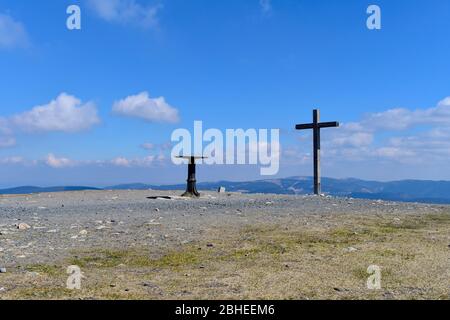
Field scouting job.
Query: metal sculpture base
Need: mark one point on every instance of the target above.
(191, 189)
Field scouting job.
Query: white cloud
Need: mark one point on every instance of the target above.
(58, 163)
(12, 33)
(65, 114)
(127, 12)
(121, 162)
(363, 140)
(149, 109)
(401, 118)
(347, 137)
(137, 162)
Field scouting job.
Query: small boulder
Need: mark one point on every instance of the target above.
(23, 226)
(221, 190)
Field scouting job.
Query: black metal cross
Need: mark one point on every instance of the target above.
(316, 126)
(191, 188)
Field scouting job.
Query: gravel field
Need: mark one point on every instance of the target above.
(221, 246)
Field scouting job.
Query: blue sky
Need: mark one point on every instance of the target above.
(231, 64)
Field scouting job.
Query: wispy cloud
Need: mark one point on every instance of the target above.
(364, 140)
(12, 160)
(402, 118)
(266, 6)
(6, 136)
(144, 107)
(155, 147)
(137, 162)
(127, 12)
(64, 114)
(12, 33)
(58, 163)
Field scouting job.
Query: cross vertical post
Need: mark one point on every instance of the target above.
(316, 120)
(316, 126)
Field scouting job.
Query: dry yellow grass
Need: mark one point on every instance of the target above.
(295, 259)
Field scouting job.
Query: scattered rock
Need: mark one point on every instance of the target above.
(351, 249)
(268, 203)
(210, 245)
(157, 209)
(23, 226)
(2, 270)
(388, 296)
(83, 232)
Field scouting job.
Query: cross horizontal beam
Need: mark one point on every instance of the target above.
(320, 125)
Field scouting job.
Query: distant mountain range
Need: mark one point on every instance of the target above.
(406, 190)
(31, 189)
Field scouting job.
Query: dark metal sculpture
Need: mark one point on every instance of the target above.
(191, 189)
(316, 126)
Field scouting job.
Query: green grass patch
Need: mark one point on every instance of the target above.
(50, 270)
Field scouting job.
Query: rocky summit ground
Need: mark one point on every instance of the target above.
(222, 246)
